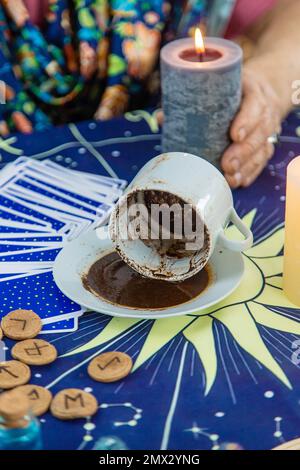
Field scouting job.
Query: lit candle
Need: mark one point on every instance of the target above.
(291, 270)
(199, 44)
(201, 93)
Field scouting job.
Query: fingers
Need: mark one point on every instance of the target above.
(88, 60)
(17, 10)
(102, 57)
(21, 122)
(258, 119)
(238, 153)
(160, 117)
(142, 52)
(113, 103)
(141, 66)
(250, 111)
(250, 170)
(104, 113)
(9, 92)
(254, 172)
(4, 131)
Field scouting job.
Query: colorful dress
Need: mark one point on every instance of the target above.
(88, 52)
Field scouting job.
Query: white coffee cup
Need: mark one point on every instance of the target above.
(198, 184)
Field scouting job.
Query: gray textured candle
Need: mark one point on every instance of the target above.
(200, 98)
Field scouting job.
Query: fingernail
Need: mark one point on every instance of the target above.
(248, 182)
(104, 114)
(235, 164)
(238, 177)
(242, 134)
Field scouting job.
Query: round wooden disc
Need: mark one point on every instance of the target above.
(13, 373)
(290, 445)
(110, 366)
(73, 403)
(21, 324)
(35, 352)
(39, 398)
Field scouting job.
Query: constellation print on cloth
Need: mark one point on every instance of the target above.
(278, 432)
(131, 422)
(197, 431)
(89, 427)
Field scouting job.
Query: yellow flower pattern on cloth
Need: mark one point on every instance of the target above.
(257, 302)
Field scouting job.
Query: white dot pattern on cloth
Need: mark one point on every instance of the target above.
(22, 293)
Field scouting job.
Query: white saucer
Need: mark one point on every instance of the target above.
(77, 256)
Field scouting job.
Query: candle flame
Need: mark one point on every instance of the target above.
(199, 43)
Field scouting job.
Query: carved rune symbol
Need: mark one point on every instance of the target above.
(6, 369)
(114, 359)
(36, 350)
(33, 395)
(74, 399)
(21, 321)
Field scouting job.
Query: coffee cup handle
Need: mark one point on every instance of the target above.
(236, 245)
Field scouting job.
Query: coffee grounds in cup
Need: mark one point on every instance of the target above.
(174, 245)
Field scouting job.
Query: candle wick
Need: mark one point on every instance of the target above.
(200, 56)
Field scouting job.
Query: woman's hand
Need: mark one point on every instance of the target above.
(17, 10)
(135, 37)
(259, 118)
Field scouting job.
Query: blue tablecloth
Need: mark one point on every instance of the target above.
(229, 375)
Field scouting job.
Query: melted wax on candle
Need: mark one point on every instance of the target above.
(208, 56)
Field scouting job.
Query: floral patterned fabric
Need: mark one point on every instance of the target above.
(87, 53)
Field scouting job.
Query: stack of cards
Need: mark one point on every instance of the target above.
(42, 206)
